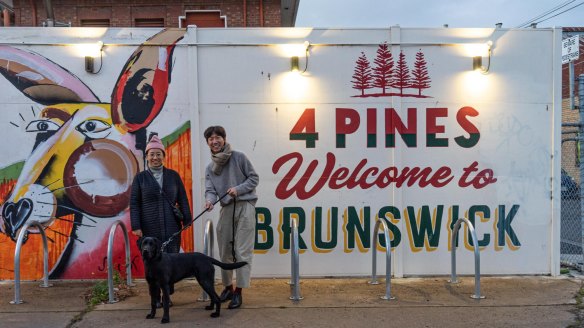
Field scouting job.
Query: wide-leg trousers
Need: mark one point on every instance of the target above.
(245, 223)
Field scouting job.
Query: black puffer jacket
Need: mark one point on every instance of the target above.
(151, 213)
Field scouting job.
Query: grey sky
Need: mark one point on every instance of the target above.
(435, 13)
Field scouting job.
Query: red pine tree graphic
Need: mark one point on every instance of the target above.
(362, 74)
(421, 79)
(383, 68)
(401, 75)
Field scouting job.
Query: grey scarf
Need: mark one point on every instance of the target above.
(157, 174)
(221, 158)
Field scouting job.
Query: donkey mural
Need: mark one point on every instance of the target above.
(77, 179)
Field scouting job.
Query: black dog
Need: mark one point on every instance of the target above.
(165, 269)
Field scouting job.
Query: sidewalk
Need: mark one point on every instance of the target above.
(518, 301)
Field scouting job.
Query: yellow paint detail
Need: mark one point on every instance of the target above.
(313, 233)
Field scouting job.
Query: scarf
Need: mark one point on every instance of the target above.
(157, 174)
(221, 158)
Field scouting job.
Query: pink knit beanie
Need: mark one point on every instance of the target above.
(155, 143)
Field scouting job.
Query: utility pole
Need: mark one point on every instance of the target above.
(579, 144)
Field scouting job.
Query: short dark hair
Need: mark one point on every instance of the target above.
(216, 129)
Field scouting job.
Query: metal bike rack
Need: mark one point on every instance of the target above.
(295, 264)
(477, 256)
(19, 242)
(208, 244)
(381, 222)
(110, 269)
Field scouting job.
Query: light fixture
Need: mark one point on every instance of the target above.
(89, 60)
(295, 60)
(477, 61)
(89, 64)
(294, 64)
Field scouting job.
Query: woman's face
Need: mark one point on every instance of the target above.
(215, 143)
(155, 157)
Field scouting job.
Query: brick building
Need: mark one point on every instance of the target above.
(6, 13)
(571, 115)
(155, 13)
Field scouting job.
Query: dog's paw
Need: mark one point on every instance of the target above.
(150, 316)
(214, 315)
(165, 320)
(209, 307)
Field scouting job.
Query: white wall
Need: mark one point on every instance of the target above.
(240, 78)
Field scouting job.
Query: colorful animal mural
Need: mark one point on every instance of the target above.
(77, 180)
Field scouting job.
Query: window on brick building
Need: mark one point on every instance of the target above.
(203, 18)
(149, 22)
(95, 22)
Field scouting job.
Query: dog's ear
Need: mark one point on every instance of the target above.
(157, 247)
(139, 242)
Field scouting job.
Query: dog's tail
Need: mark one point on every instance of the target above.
(227, 266)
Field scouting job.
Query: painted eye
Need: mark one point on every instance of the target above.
(42, 126)
(94, 129)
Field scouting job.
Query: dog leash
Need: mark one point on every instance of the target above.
(164, 244)
(233, 232)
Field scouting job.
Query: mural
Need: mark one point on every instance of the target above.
(77, 180)
(385, 75)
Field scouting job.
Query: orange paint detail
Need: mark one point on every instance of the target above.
(31, 253)
(178, 158)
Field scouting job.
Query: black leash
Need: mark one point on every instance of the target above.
(233, 232)
(164, 244)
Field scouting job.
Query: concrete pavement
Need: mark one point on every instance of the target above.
(518, 301)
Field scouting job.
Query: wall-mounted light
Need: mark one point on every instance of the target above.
(89, 60)
(477, 61)
(295, 60)
(89, 64)
(294, 65)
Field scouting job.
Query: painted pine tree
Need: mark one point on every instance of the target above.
(362, 74)
(421, 79)
(401, 75)
(383, 68)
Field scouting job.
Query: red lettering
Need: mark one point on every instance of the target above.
(370, 176)
(372, 121)
(465, 173)
(431, 115)
(443, 176)
(481, 180)
(343, 127)
(352, 183)
(372, 171)
(283, 190)
(337, 177)
(394, 123)
(465, 124)
(473, 133)
(344, 114)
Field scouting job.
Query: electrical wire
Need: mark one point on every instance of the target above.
(548, 12)
(581, 3)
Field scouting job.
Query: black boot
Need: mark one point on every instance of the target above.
(226, 294)
(236, 300)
